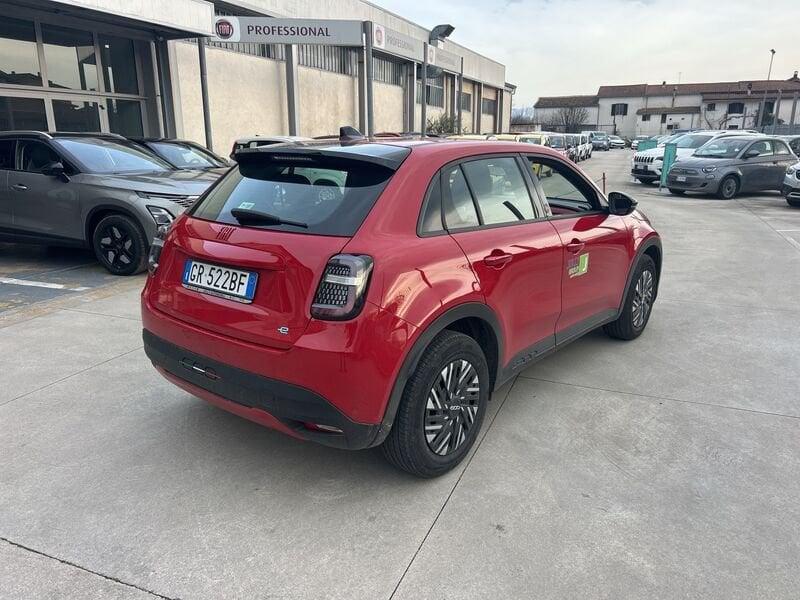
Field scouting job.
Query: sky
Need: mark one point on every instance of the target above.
(564, 47)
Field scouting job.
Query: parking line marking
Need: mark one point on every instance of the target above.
(42, 284)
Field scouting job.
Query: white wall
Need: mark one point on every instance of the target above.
(246, 95)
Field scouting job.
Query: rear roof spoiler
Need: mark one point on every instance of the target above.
(383, 155)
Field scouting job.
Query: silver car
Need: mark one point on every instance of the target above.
(94, 190)
(730, 165)
(791, 185)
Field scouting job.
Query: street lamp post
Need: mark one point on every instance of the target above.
(763, 110)
(439, 32)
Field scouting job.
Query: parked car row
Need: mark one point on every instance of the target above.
(724, 163)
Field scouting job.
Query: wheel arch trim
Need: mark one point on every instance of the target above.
(476, 310)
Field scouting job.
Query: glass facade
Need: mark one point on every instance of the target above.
(56, 77)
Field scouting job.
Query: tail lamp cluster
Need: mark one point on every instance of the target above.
(340, 294)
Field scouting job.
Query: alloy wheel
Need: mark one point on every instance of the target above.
(117, 247)
(451, 407)
(729, 188)
(642, 298)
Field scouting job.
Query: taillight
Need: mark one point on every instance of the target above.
(156, 246)
(341, 291)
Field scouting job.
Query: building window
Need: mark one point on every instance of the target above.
(736, 108)
(435, 92)
(466, 101)
(711, 106)
(387, 71)
(69, 54)
(336, 59)
(19, 60)
(619, 110)
(22, 113)
(645, 117)
(119, 65)
(664, 118)
(488, 106)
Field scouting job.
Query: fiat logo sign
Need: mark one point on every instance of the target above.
(224, 29)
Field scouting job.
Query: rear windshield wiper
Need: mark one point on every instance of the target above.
(255, 217)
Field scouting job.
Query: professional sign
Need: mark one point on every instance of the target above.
(400, 44)
(265, 30)
(396, 43)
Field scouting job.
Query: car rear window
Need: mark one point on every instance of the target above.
(330, 196)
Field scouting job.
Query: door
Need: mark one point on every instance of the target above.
(759, 171)
(515, 253)
(6, 165)
(43, 207)
(596, 248)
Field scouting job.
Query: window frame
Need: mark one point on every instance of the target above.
(538, 209)
(19, 146)
(555, 163)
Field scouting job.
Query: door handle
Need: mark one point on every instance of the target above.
(497, 259)
(575, 246)
(19, 187)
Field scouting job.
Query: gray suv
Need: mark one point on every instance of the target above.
(726, 166)
(93, 190)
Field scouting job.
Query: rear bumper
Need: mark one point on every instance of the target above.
(289, 407)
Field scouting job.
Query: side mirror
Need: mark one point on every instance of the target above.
(621, 204)
(751, 154)
(55, 169)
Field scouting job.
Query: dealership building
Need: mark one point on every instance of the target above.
(137, 68)
(647, 109)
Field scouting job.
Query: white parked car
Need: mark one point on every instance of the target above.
(646, 165)
(639, 138)
(615, 141)
(585, 147)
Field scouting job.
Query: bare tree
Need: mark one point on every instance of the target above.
(568, 119)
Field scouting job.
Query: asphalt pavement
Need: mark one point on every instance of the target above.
(666, 467)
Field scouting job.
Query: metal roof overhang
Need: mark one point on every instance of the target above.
(171, 20)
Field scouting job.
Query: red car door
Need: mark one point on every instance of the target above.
(596, 248)
(514, 252)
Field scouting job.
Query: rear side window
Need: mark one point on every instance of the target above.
(331, 197)
(459, 210)
(499, 189)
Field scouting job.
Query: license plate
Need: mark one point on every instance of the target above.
(224, 282)
(680, 178)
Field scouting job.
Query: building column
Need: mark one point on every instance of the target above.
(476, 114)
(201, 50)
(291, 89)
(411, 97)
(498, 124)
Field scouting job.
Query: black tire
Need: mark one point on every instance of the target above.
(408, 446)
(728, 187)
(120, 245)
(677, 192)
(630, 324)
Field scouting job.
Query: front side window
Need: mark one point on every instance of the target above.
(564, 191)
(100, 155)
(19, 60)
(781, 148)
(795, 145)
(327, 197)
(35, 156)
(70, 59)
(7, 154)
(499, 190)
(761, 148)
(557, 141)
